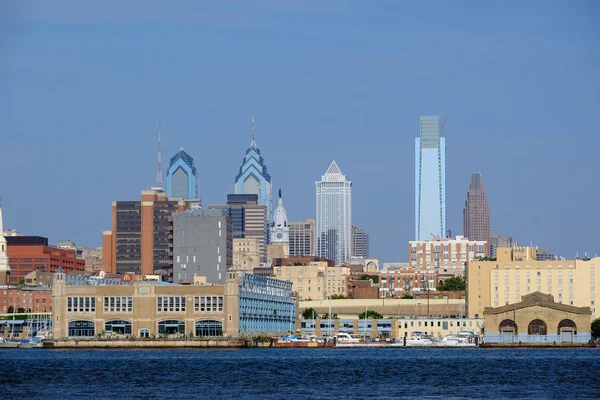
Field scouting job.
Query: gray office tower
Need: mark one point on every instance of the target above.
(202, 245)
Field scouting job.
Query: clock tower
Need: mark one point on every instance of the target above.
(280, 233)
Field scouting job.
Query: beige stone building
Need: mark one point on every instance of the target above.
(246, 254)
(315, 280)
(446, 256)
(277, 250)
(537, 318)
(516, 272)
(245, 304)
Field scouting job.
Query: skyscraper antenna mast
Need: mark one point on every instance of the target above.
(159, 179)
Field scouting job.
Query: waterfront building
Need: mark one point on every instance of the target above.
(405, 281)
(392, 327)
(202, 245)
(430, 180)
(302, 238)
(516, 272)
(334, 216)
(445, 256)
(253, 178)
(537, 318)
(182, 177)
(139, 240)
(497, 241)
(314, 280)
(248, 218)
(246, 254)
(244, 304)
(360, 243)
(28, 253)
(476, 214)
(29, 299)
(4, 266)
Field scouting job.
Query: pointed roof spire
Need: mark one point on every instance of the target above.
(333, 169)
(253, 143)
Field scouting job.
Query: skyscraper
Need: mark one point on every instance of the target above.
(253, 177)
(140, 237)
(302, 238)
(476, 215)
(430, 180)
(202, 245)
(360, 243)
(248, 219)
(182, 178)
(4, 269)
(334, 216)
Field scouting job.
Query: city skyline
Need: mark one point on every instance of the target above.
(514, 89)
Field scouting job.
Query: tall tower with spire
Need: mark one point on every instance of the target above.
(334, 215)
(4, 268)
(279, 233)
(253, 177)
(159, 185)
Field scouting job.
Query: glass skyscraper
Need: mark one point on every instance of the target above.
(334, 216)
(182, 179)
(430, 180)
(253, 177)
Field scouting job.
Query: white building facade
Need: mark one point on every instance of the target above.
(444, 255)
(334, 216)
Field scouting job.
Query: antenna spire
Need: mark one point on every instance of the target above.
(159, 178)
(253, 144)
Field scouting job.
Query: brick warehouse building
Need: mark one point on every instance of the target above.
(28, 253)
(32, 299)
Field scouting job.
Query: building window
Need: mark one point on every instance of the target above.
(208, 303)
(537, 327)
(118, 327)
(209, 328)
(81, 329)
(118, 304)
(171, 327)
(170, 304)
(81, 304)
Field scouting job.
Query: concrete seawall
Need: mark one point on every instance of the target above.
(146, 343)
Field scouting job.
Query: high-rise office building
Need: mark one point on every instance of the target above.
(249, 219)
(302, 238)
(202, 245)
(360, 243)
(334, 216)
(140, 241)
(253, 177)
(182, 178)
(430, 180)
(497, 241)
(476, 215)
(4, 268)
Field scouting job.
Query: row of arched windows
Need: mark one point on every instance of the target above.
(167, 327)
(537, 326)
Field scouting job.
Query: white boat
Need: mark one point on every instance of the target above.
(344, 337)
(460, 339)
(419, 339)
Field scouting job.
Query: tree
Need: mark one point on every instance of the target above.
(338, 297)
(407, 296)
(20, 310)
(370, 315)
(454, 284)
(10, 310)
(596, 328)
(309, 313)
(366, 277)
(326, 316)
(22, 281)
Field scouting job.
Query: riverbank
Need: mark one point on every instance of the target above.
(544, 345)
(148, 343)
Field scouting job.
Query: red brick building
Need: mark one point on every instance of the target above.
(28, 253)
(31, 299)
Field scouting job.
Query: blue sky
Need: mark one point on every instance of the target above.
(83, 87)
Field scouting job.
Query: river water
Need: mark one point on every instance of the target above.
(313, 373)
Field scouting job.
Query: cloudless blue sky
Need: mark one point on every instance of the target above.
(83, 86)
